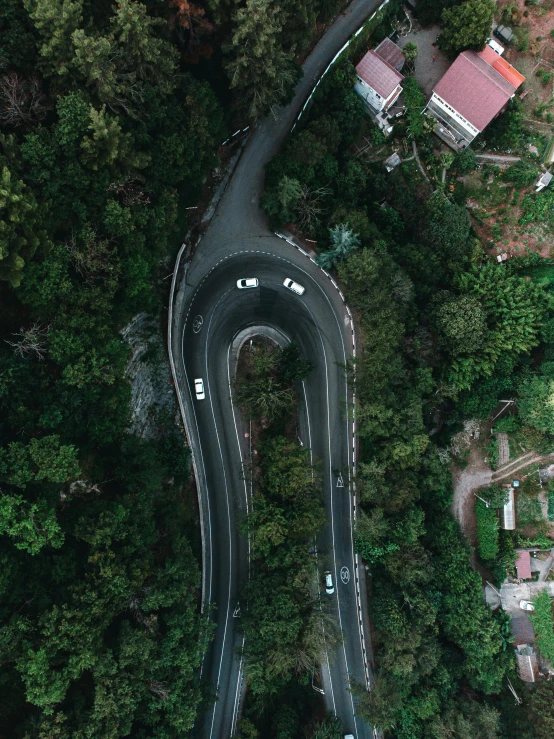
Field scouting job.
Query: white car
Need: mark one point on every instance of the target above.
(199, 387)
(294, 286)
(247, 282)
(349, 736)
(526, 605)
(329, 587)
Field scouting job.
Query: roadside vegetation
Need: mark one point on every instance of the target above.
(111, 114)
(286, 626)
(446, 332)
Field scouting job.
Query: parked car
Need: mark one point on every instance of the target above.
(526, 605)
(247, 282)
(329, 587)
(504, 33)
(199, 387)
(294, 286)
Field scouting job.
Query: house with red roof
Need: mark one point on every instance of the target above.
(523, 564)
(476, 88)
(379, 76)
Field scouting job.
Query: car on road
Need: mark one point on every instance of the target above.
(245, 282)
(526, 605)
(349, 736)
(199, 387)
(294, 286)
(329, 587)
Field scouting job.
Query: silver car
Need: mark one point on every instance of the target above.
(246, 282)
(526, 605)
(294, 286)
(329, 587)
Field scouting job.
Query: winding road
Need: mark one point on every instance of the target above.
(209, 318)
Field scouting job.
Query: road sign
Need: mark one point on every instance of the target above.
(345, 575)
(236, 612)
(340, 481)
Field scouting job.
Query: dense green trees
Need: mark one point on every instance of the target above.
(103, 142)
(466, 25)
(536, 399)
(265, 389)
(283, 620)
(260, 68)
(487, 531)
(543, 625)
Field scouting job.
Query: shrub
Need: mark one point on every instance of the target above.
(521, 174)
(487, 531)
(541, 619)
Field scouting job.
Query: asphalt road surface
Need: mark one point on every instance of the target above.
(209, 314)
(218, 316)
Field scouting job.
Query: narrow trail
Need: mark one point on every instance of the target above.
(525, 461)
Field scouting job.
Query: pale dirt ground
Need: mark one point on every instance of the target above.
(466, 482)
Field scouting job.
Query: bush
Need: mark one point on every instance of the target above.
(465, 161)
(541, 618)
(521, 174)
(487, 531)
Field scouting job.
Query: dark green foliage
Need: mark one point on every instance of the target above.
(415, 101)
(99, 587)
(430, 11)
(283, 623)
(541, 619)
(507, 132)
(465, 161)
(265, 388)
(310, 178)
(521, 174)
(466, 25)
(487, 531)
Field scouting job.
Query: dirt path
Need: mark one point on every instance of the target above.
(423, 172)
(467, 482)
(524, 462)
(500, 158)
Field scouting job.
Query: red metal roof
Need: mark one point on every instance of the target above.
(391, 53)
(378, 74)
(502, 66)
(475, 89)
(523, 565)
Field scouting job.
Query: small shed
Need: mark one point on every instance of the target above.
(391, 162)
(527, 667)
(543, 181)
(523, 564)
(508, 513)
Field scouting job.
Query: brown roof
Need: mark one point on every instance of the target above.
(378, 74)
(391, 53)
(475, 89)
(523, 565)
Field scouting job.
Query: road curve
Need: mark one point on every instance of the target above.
(318, 321)
(239, 244)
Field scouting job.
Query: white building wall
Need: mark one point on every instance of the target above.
(377, 102)
(368, 93)
(461, 121)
